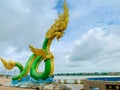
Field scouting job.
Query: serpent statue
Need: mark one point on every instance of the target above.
(56, 31)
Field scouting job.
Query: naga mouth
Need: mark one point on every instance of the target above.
(59, 35)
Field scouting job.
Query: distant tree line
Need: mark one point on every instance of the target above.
(85, 73)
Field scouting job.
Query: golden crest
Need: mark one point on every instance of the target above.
(58, 28)
(8, 65)
(37, 51)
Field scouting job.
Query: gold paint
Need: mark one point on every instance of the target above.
(51, 56)
(41, 52)
(48, 45)
(8, 65)
(28, 69)
(57, 31)
(58, 28)
(37, 51)
(52, 67)
(38, 66)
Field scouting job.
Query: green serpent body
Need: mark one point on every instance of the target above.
(46, 73)
(56, 31)
(22, 74)
(19, 66)
(31, 64)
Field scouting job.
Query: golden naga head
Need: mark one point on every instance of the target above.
(58, 28)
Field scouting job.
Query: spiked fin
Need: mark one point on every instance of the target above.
(38, 51)
(8, 65)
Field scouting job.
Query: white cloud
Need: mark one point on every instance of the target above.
(99, 48)
(87, 14)
(24, 22)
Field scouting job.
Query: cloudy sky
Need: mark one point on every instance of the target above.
(91, 42)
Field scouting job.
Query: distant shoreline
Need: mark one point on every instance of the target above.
(89, 74)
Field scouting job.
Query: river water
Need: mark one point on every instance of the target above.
(71, 79)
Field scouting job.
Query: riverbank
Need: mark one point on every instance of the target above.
(4, 80)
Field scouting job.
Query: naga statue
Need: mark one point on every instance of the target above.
(39, 54)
